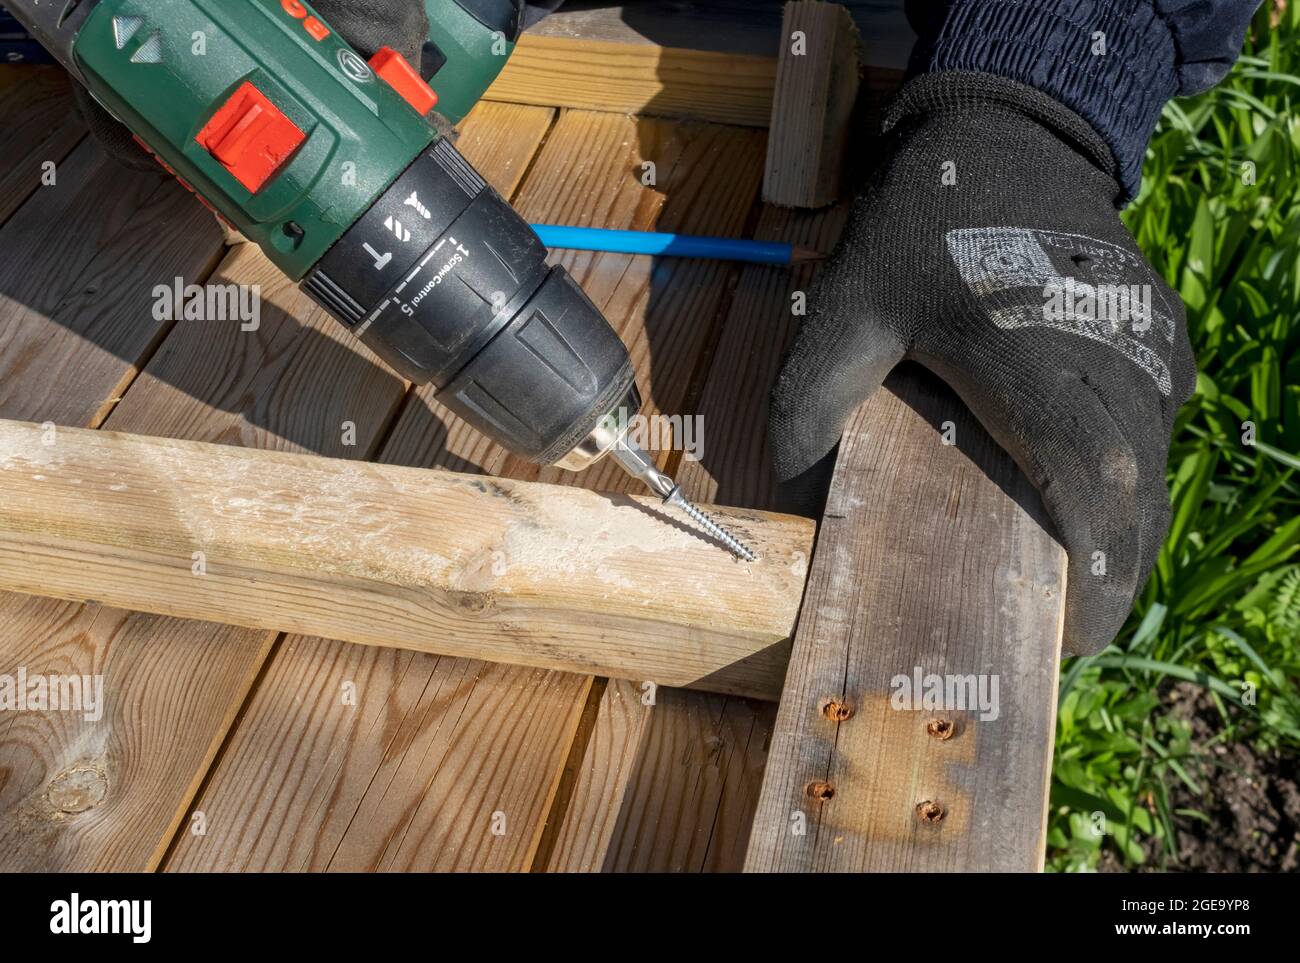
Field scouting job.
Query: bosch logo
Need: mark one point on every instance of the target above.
(354, 66)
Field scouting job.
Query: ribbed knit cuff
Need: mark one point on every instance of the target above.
(1113, 62)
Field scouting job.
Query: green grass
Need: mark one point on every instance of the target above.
(1222, 609)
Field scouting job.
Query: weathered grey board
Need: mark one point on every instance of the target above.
(934, 557)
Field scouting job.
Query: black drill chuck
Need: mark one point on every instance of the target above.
(446, 283)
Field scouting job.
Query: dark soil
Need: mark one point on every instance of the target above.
(1252, 799)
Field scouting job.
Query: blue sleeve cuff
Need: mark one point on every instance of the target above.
(1113, 62)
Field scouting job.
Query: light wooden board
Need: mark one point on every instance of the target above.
(545, 576)
(383, 760)
(816, 88)
(638, 78)
(933, 558)
(668, 786)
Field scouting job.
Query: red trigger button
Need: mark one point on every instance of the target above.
(401, 76)
(250, 137)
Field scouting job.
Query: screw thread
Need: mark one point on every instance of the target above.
(716, 530)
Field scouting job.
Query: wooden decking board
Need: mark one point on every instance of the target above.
(396, 782)
(211, 381)
(667, 310)
(38, 124)
(735, 467)
(265, 391)
(74, 325)
(207, 380)
(665, 788)
(934, 556)
(99, 795)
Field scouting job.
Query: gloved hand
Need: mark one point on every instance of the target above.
(366, 24)
(972, 251)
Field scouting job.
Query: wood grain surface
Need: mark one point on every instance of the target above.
(638, 79)
(39, 126)
(553, 577)
(816, 89)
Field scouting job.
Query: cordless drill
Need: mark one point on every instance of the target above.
(334, 166)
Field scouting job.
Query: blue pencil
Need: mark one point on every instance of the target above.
(671, 245)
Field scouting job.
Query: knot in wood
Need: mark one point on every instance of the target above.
(76, 790)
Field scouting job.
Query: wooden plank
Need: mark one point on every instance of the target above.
(933, 558)
(638, 78)
(667, 309)
(501, 140)
(664, 787)
(74, 328)
(38, 125)
(381, 761)
(816, 88)
(734, 465)
(458, 742)
(97, 793)
(547, 576)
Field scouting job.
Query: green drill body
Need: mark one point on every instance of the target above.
(361, 134)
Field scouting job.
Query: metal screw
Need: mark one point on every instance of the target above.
(930, 811)
(941, 729)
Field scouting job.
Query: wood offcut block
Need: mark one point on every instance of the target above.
(543, 575)
(817, 79)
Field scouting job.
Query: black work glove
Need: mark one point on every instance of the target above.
(366, 24)
(991, 201)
